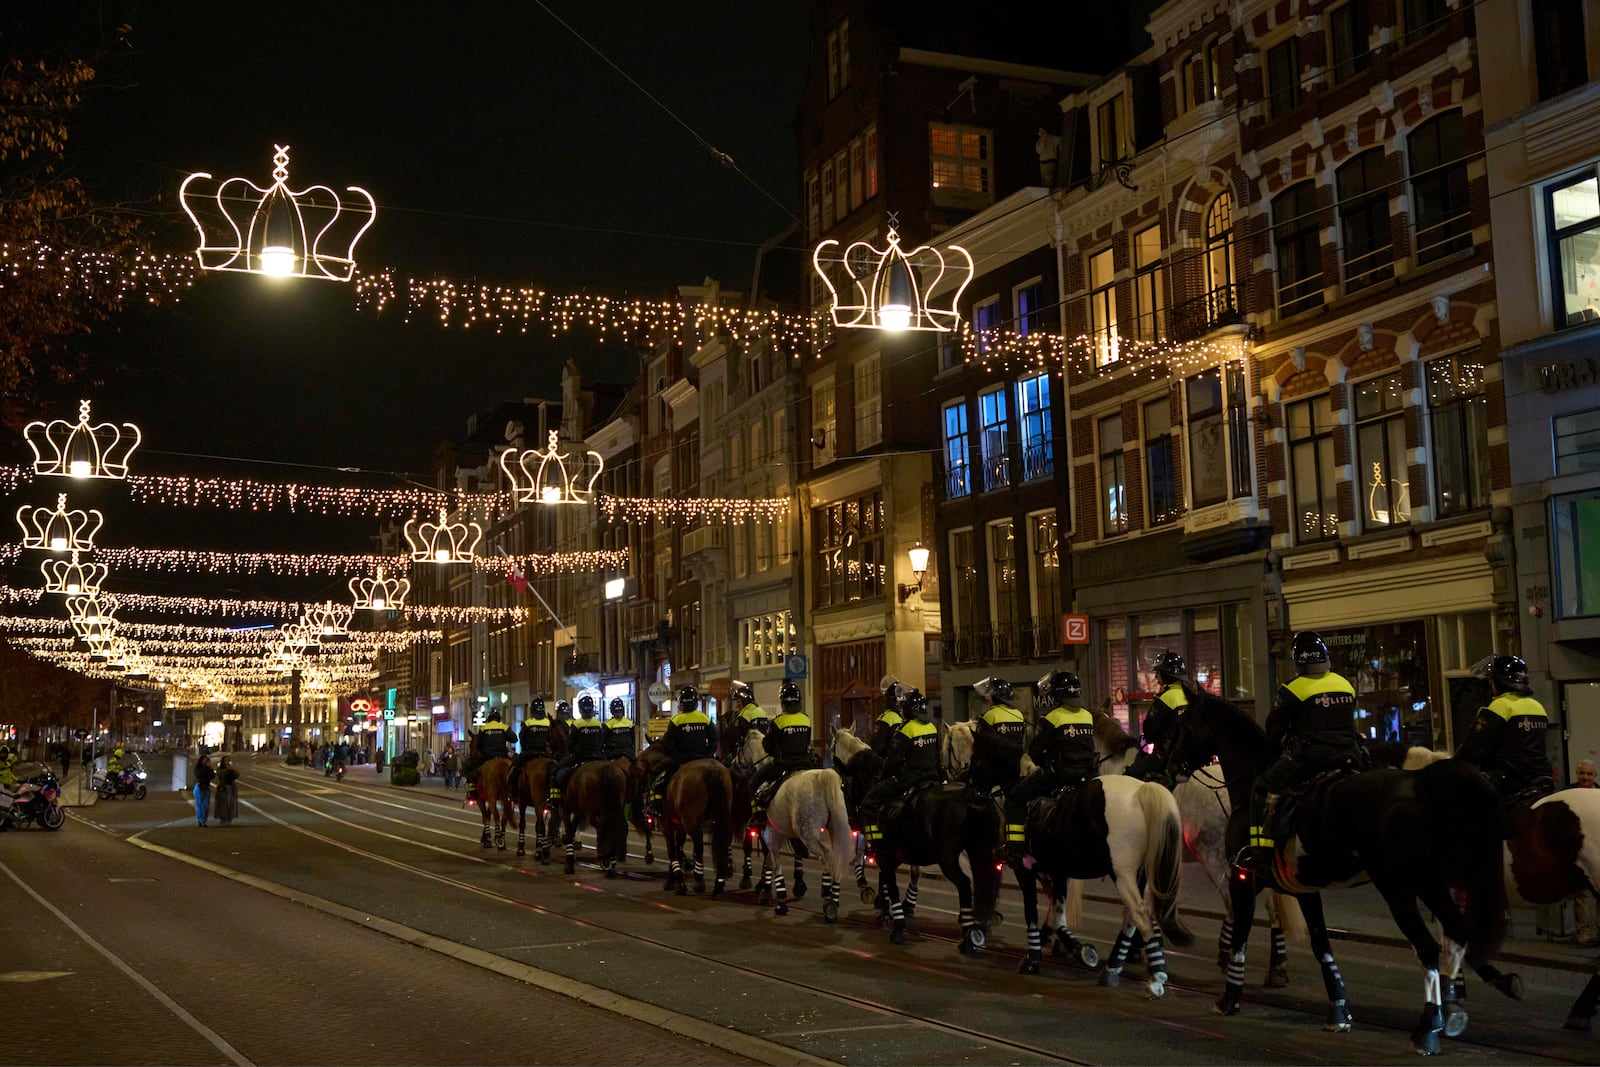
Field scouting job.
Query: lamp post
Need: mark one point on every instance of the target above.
(919, 567)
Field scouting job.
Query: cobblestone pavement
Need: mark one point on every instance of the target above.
(463, 928)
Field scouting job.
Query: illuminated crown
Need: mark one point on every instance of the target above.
(380, 593)
(59, 530)
(552, 482)
(74, 579)
(329, 621)
(93, 617)
(888, 289)
(442, 541)
(285, 234)
(81, 451)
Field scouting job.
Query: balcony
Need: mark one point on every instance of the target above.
(1038, 459)
(577, 663)
(996, 471)
(957, 481)
(1041, 637)
(644, 625)
(1193, 319)
(998, 642)
(702, 539)
(962, 645)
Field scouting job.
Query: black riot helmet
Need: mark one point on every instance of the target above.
(618, 708)
(1509, 674)
(914, 704)
(996, 691)
(1169, 667)
(536, 707)
(789, 697)
(743, 696)
(586, 706)
(494, 716)
(1065, 688)
(688, 698)
(1310, 652)
(563, 710)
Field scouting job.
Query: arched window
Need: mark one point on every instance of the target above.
(1437, 152)
(1364, 220)
(1297, 243)
(1221, 292)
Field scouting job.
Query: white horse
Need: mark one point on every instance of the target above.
(1203, 808)
(809, 810)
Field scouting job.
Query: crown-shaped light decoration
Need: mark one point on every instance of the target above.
(380, 593)
(82, 450)
(559, 477)
(59, 530)
(443, 541)
(889, 288)
(287, 234)
(329, 621)
(73, 579)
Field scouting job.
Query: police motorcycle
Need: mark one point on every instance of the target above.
(37, 800)
(128, 782)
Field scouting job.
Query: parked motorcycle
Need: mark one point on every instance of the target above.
(126, 783)
(38, 799)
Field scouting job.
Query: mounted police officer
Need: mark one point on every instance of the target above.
(1507, 738)
(913, 760)
(1313, 727)
(585, 742)
(533, 740)
(689, 736)
(1063, 749)
(751, 717)
(1002, 718)
(619, 732)
(492, 742)
(788, 743)
(8, 768)
(891, 720)
(1161, 721)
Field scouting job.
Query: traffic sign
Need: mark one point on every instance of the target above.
(794, 666)
(658, 693)
(388, 714)
(1075, 629)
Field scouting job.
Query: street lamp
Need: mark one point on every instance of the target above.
(919, 567)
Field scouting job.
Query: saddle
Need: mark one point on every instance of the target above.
(1284, 810)
(1513, 805)
(1040, 808)
(898, 803)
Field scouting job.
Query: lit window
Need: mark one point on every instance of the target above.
(1160, 463)
(1572, 233)
(957, 451)
(1315, 488)
(1113, 479)
(1103, 309)
(961, 165)
(869, 403)
(994, 433)
(1458, 419)
(1149, 286)
(1383, 483)
(1033, 419)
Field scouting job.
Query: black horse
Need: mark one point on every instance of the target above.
(1427, 835)
(936, 826)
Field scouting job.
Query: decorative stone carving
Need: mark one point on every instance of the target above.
(1364, 333)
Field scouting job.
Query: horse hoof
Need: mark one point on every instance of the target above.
(683, 890)
(1227, 1004)
(830, 912)
(1510, 985)
(1425, 1042)
(520, 852)
(910, 911)
(780, 909)
(1578, 1022)
(867, 895)
(763, 896)
(1277, 978)
(897, 936)
(1156, 987)
(649, 859)
(1029, 964)
(611, 870)
(799, 891)
(1088, 957)
(744, 883)
(717, 889)
(1110, 979)
(500, 846)
(571, 868)
(1455, 1021)
(699, 885)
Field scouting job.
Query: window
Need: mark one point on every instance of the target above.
(1348, 30)
(758, 443)
(1029, 300)
(1572, 210)
(1316, 509)
(961, 165)
(1160, 463)
(1364, 220)
(856, 176)
(1033, 419)
(1559, 44)
(993, 420)
(1103, 308)
(1113, 481)
(1458, 420)
(838, 58)
(841, 171)
(1003, 586)
(1149, 286)
(985, 321)
(822, 421)
(762, 553)
(869, 404)
(1219, 442)
(849, 542)
(764, 640)
(1044, 566)
(1298, 245)
(827, 193)
(964, 575)
(951, 354)
(870, 140)
(1220, 300)
(1283, 77)
(1422, 17)
(1198, 76)
(753, 376)
(813, 204)
(1438, 154)
(1108, 132)
(1576, 526)
(957, 451)
(1383, 485)
(1577, 442)
(1213, 70)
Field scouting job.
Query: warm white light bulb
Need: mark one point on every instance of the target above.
(377, 603)
(79, 468)
(894, 316)
(441, 555)
(72, 588)
(278, 260)
(58, 544)
(550, 495)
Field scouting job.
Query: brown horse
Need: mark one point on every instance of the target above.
(494, 796)
(533, 790)
(595, 795)
(699, 797)
(638, 813)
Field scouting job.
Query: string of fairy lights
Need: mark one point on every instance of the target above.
(295, 564)
(278, 609)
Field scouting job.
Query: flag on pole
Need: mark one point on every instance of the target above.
(514, 576)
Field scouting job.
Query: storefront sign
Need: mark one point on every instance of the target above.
(658, 693)
(1569, 374)
(1075, 629)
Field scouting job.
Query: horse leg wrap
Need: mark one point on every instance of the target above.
(1430, 1027)
(1278, 962)
(897, 919)
(911, 900)
(1332, 980)
(1155, 955)
(1224, 944)
(781, 905)
(1119, 951)
(1233, 990)
(861, 875)
(1030, 962)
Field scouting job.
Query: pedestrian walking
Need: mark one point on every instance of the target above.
(66, 760)
(450, 765)
(377, 760)
(204, 775)
(227, 805)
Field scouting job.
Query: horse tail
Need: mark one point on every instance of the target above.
(841, 840)
(613, 787)
(1073, 913)
(1163, 858)
(1463, 813)
(1291, 918)
(719, 809)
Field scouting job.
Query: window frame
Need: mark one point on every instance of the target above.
(1299, 233)
(973, 176)
(1416, 23)
(867, 374)
(1109, 111)
(1341, 70)
(1005, 626)
(1042, 576)
(842, 548)
(994, 438)
(1281, 99)
(825, 420)
(1028, 319)
(1107, 342)
(1364, 211)
(1555, 236)
(1321, 442)
(1231, 427)
(1565, 541)
(964, 586)
(1450, 179)
(1163, 504)
(1559, 47)
(1383, 422)
(1112, 467)
(1219, 250)
(1034, 436)
(985, 322)
(1149, 286)
(869, 142)
(1460, 416)
(958, 479)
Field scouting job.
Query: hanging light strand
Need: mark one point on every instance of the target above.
(270, 608)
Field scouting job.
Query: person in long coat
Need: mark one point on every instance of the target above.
(204, 775)
(226, 805)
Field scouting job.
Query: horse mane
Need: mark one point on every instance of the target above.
(1110, 734)
(847, 746)
(1224, 719)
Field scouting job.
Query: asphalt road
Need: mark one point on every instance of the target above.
(254, 937)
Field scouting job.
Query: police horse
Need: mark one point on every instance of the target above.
(1426, 835)
(1116, 826)
(1553, 856)
(936, 824)
(808, 810)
